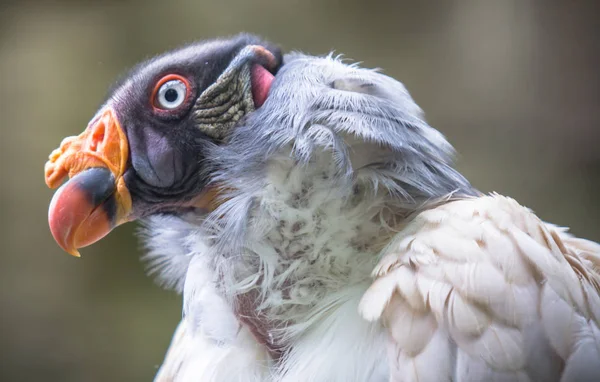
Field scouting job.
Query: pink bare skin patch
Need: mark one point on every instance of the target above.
(261, 84)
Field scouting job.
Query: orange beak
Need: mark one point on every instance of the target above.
(95, 199)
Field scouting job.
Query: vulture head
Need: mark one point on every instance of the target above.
(145, 150)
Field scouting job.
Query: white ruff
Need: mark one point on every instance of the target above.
(310, 249)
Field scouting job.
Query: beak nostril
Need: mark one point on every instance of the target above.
(97, 137)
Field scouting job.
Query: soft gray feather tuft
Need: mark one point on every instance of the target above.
(318, 104)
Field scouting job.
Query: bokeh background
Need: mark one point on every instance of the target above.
(514, 85)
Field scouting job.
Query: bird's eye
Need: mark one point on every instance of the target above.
(170, 92)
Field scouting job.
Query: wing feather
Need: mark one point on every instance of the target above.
(481, 289)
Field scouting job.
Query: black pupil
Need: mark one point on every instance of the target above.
(171, 95)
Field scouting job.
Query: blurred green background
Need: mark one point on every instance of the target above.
(514, 85)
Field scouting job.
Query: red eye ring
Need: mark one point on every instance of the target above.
(157, 88)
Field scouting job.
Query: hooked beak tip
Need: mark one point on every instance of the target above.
(83, 210)
(74, 252)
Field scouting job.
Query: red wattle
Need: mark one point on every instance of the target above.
(261, 80)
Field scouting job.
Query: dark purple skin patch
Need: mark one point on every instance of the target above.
(154, 158)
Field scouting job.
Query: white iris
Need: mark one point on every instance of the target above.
(171, 94)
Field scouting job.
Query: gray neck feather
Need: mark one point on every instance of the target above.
(366, 122)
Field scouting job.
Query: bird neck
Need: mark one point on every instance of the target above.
(308, 230)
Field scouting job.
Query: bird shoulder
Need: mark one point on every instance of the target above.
(497, 288)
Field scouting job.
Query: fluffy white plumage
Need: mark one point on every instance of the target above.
(348, 249)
